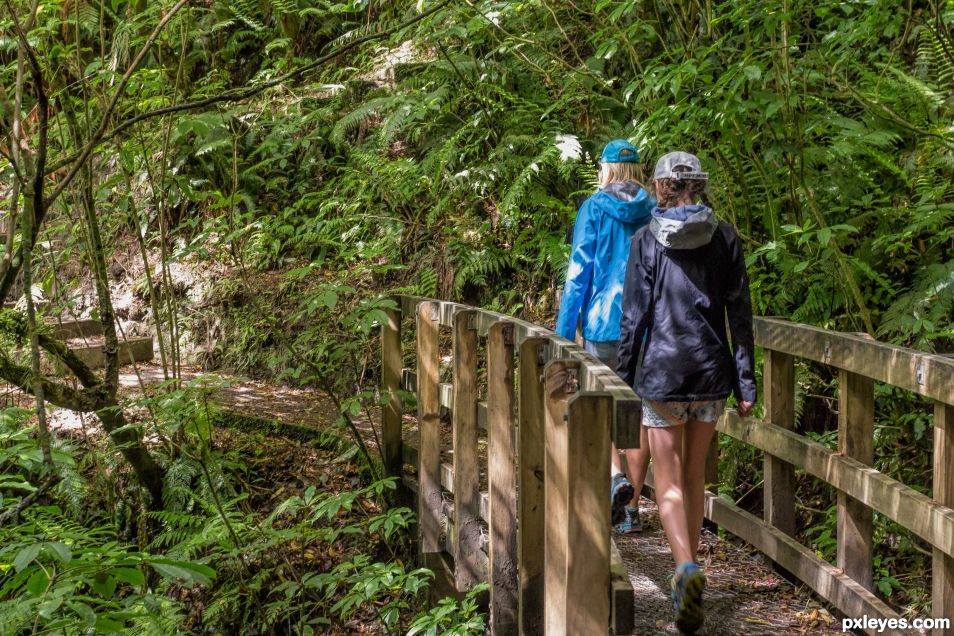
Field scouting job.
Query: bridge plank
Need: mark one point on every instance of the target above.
(429, 426)
(587, 549)
(531, 451)
(466, 473)
(502, 480)
(855, 440)
(928, 519)
(926, 374)
(942, 592)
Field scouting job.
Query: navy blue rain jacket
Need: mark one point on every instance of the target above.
(594, 281)
(685, 275)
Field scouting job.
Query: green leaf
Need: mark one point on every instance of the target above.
(26, 556)
(104, 585)
(38, 583)
(130, 575)
(108, 625)
(61, 551)
(191, 572)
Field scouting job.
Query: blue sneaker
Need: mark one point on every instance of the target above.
(631, 522)
(621, 493)
(688, 584)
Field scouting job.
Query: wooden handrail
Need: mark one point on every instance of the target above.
(520, 598)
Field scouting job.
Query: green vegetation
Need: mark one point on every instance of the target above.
(305, 159)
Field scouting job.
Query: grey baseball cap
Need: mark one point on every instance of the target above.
(691, 168)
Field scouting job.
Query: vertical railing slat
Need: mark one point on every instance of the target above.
(429, 428)
(942, 591)
(502, 480)
(779, 488)
(855, 440)
(588, 544)
(390, 383)
(531, 449)
(466, 475)
(561, 377)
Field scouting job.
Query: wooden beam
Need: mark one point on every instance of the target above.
(918, 513)
(829, 582)
(588, 489)
(779, 487)
(502, 480)
(391, 365)
(855, 440)
(531, 449)
(429, 426)
(930, 375)
(942, 587)
(466, 474)
(561, 379)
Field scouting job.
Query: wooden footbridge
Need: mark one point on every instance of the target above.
(516, 493)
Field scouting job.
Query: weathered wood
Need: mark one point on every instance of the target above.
(411, 455)
(829, 582)
(779, 487)
(466, 475)
(594, 375)
(622, 603)
(429, 427)
(502, 480)
(391, 366)
(942, 587)
(561, 379)
(855, 440)
(531, 449)
(588, 545)
(930, 375)
(929, 520)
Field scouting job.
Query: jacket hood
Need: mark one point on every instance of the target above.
(625, 202)
(684, 227)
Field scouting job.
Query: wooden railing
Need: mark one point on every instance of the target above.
(558, 573)
(553, 573)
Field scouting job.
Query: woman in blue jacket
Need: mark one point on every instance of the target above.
(594, 286)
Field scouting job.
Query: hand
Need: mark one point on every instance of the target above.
(745, 408)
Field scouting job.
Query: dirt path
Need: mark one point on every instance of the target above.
(743, 595)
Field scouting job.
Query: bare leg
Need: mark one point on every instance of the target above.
(637, 462)
(698, 438)
(665, 444)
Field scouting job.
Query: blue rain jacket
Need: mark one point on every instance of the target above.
(594, 280)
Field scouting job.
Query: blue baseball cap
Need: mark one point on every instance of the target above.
(620, 151)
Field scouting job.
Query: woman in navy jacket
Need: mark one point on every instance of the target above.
(685, 275)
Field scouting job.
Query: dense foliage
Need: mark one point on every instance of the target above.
(324, 154)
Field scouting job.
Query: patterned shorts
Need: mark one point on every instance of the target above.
(666, 414)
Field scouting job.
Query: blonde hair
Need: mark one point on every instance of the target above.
(620, 173)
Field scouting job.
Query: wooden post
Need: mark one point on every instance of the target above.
(530, 529)
(429, 499)
(502, 480)
(855, 440)
(588, 544)
(942, 588)
(561, 381)
(466, 484)
(390, 383)
(779, 488)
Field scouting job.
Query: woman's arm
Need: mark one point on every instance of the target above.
(738, 306)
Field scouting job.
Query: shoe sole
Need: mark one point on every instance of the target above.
(624, 494)
(690, 617)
